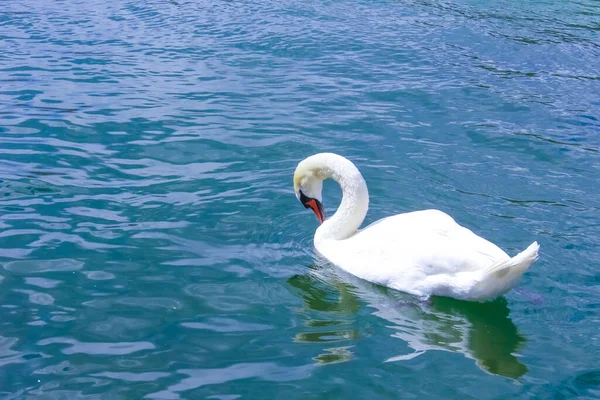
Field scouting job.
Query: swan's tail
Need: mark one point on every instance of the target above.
(501, 277)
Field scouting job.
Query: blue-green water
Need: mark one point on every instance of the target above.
(151, 244)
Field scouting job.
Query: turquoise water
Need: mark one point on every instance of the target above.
(151, 244)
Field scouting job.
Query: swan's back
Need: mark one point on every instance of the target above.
(403, 250)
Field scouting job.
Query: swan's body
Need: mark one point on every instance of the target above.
(423, 252)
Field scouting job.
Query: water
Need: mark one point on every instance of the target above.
(151, 244)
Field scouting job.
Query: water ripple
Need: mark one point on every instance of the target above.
(97, 348)
(150, 241)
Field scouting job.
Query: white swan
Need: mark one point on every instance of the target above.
(423, 252)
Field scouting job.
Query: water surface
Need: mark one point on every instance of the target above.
(150, 242)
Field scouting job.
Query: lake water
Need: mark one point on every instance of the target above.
(151, 243)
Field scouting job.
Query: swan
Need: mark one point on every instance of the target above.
(422, 253)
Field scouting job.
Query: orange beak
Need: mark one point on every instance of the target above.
(314, 205)
(317, 207)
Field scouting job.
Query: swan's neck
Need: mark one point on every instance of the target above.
(355, 200)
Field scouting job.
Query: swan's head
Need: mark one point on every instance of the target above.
(308, 185)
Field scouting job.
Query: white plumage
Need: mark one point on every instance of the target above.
(423, 252)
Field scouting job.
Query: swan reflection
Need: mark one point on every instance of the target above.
(482, 332)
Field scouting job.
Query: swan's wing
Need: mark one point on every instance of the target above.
(410, 247)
